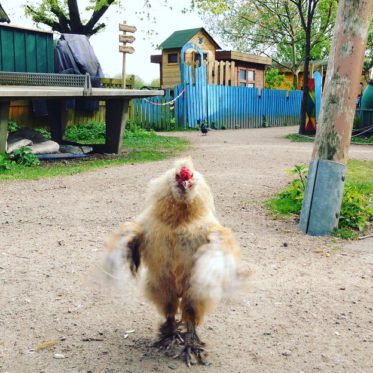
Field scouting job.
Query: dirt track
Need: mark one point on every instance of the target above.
(309, 307)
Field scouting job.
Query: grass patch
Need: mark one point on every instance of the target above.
(295, 137)
(357, 204)
(138, 146)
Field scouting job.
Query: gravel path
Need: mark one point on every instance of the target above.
(309, 306)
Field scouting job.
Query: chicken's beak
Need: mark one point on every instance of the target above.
(185, 185)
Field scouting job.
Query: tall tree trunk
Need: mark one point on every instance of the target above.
(325, 183)
(307, 58)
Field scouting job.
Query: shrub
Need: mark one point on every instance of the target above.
(356, 211)
(25, 157)
(92, 132)
(5, 162)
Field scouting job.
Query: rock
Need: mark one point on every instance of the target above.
(72, 149)
(59, 356)
(286, 353)
(46, 147)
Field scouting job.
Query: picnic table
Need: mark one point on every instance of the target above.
(66, 87)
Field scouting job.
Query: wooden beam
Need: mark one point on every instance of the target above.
(4, 118)
(116, 118)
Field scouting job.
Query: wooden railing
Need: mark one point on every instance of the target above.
(222, 73)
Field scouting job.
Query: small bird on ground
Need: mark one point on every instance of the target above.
(204, 129)
(191, 260)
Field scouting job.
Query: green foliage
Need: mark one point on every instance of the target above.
(357, 203)
(273, 78)
(24, 156)
(88, 133)
(155, 82)
(357, 209)
(13, 126)
(139, 145)
(273, 28)
(295, 137)
(5, 162)
(66, 17)
(44, 132)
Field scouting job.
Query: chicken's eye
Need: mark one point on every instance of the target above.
(177, 177)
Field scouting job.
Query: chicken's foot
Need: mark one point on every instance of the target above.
(193, 347)
(169, 334)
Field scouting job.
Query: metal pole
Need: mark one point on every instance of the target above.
(324, 191)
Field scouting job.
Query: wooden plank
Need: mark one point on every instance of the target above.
(227, 73)
(210, 66)
(126, 38)
(4, 113)
(221, 72)
(216, 72)
(127, 28)
(116, 117)
(233, 74)
(126, 49)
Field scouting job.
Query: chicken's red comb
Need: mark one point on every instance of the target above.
(185, 173)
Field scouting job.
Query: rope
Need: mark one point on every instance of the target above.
(165, 103)
(360, 133)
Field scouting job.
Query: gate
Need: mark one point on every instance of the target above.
(194, 81)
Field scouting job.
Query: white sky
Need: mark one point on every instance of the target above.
(106, 43)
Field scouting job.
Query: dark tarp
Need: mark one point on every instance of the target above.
(74, 55)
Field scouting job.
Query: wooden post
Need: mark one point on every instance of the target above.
(57, 116)
(116, 118)
(124, 49)
(4, 118)
(323, 195)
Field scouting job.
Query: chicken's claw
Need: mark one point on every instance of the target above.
(193, 347)
(169, 335)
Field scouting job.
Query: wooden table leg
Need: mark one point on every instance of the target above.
(116, 118)
(4, 118)
(57, 114)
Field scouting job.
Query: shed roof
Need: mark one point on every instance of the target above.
(3, 16)
(179, 38)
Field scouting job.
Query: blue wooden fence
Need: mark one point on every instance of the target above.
(227, 107)
(196, 102)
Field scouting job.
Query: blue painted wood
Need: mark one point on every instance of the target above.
(318, 92)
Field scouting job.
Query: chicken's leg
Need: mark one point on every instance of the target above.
(193, 346)
(169, 334)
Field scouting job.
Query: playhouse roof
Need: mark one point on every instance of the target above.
(179, 38)
(3, 16)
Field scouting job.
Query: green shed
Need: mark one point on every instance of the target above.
(26, 50)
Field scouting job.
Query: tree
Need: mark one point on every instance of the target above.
(273, 78)
(64, 15)
(324, 191)
(292, 32)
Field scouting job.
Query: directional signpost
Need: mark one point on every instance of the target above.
(125, 39)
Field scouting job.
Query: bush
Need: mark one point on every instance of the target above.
(92, 132)
(25, 157)
(5, 162)
(356, 211)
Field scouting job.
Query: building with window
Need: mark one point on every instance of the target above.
(224, 67)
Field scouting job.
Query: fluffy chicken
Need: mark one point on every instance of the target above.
(191, 260)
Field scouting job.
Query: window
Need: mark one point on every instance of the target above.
(197, 58)
(246, 77)
(172, 58)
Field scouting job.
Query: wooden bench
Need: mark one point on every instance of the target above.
(56, 89)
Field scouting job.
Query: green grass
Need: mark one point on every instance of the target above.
(138, 146)
(357, 205)
(295, 137)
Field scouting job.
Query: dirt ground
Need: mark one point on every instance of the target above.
(308, 307)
